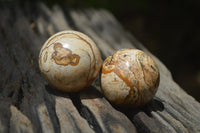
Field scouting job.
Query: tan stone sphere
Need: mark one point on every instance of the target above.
(129, 78)
(69, 61)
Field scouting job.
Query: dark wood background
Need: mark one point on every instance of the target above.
(29, 104)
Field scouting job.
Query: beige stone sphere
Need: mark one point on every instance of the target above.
(129, 78)
(69, 61)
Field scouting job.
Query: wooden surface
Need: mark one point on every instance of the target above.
(28, 104)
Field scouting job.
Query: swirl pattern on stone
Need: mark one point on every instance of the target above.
(64, 56)
(129, 78)
(69, 61)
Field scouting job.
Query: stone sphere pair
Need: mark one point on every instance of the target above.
(70, 61)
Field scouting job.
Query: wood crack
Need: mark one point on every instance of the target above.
(85, 113)
(50, 104)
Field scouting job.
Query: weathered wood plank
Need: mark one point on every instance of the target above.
(28, 104)
(19, 122)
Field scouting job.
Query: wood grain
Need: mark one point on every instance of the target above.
(29, 104)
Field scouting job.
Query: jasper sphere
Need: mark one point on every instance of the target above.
(69, 61)
(129, 78)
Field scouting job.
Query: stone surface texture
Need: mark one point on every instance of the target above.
(129, 78)
(70, 61)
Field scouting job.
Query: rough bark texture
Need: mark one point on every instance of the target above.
(28, 104)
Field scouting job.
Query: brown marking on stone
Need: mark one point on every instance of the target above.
(119, 67)
(57, 45)
(123, 71)
(45, 57)
(40, 60)
(107, 67)
(78, 37)
(74, 60)
(90, 45)
(147, 64)
(64, 56)
(128, 97)
(95, 60)
(150, 78)
(131, 98)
